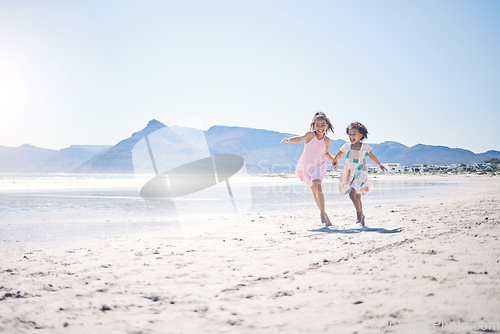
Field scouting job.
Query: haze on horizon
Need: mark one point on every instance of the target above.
(94, 72)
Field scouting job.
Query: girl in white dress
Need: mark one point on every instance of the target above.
(354, 176)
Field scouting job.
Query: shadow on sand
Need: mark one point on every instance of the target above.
(357, 230)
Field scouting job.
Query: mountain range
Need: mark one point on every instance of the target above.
(260, 148)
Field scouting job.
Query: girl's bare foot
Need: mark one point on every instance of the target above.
(361, 219)
(325, 220)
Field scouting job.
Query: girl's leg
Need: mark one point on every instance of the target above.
(320, 201)
(361, 218)
(356, 200)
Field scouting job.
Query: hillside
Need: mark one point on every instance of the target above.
(260, 148)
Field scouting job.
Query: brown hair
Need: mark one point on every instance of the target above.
(358, 126)
(321, 115)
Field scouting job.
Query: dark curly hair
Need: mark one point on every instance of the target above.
(358, 126)
(321, 115)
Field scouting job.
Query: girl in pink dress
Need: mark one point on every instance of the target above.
(354, 176)
(311, 166)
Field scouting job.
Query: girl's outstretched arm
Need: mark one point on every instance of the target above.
(294, 140)
(375, 160)
(335, 162)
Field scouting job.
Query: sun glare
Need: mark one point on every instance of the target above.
(13, 101)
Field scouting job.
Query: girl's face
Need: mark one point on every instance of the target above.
(355, 136)
(320, 126)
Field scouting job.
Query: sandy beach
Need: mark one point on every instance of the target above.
(425, 266)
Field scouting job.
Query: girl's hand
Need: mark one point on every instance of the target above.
(382, 167)
(285, 140)
(335, 162)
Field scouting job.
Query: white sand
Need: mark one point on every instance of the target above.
(273, 273)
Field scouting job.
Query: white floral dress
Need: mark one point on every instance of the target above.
(355, 172)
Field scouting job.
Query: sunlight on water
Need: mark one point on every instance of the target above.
(58, 207)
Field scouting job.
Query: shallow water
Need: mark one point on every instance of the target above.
(293, 195)
(41, 207)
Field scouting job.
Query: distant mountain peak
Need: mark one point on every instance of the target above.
(393, 143)
(152, 126)
(155, 123)
(27, 146)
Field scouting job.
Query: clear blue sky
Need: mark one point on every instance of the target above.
(94, 72)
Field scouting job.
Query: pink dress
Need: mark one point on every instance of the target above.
(311, 165)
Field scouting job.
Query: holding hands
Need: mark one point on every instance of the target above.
(335, 164)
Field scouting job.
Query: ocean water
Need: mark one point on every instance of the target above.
(60, 207)
(291, 194)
